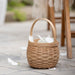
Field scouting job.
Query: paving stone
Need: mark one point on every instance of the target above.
(26, 73)
(5, 70)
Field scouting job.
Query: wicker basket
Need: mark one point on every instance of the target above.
(43, 55)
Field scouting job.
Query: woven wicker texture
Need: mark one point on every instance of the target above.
(43, 55)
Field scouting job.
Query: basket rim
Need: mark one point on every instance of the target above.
(55, 44)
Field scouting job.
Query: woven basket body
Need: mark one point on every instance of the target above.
(42, 55)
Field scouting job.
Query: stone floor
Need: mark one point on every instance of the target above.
(14, 39)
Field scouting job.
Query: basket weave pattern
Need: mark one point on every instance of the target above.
(42, 55)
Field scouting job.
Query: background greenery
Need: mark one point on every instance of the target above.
(18, 3)
(13, 4)
(19, 16)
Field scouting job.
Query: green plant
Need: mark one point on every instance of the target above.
(15, 3)
(28, 2)
(19, 16)
(10, 8)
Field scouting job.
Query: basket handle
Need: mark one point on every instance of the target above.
(50, 23)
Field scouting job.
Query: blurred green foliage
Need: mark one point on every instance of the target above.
(19, 16)
(28, 2)
(10, 8)
(18, 3)
(15, 4)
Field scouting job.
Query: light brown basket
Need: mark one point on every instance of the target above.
(43, 55)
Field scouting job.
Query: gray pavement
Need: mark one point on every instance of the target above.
(14, 37)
